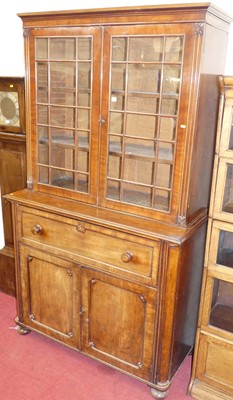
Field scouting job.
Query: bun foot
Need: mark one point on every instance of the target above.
(157, 394)
(22, 330)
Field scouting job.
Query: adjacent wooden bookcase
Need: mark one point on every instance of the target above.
(12, 168)
(121, 120)
(213, 361)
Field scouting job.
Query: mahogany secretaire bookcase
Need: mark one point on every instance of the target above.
(109, 234)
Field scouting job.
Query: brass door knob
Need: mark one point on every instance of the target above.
(37, 229)
(127, 257)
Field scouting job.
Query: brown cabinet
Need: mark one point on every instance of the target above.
(121, 106)
(213, 362)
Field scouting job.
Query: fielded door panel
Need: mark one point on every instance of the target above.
(118, 322)
(65, 76)
(50, 295)
(146, 80)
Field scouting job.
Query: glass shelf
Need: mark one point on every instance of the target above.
(141, 152)
(66, 142)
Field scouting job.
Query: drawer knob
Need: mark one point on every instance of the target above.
(37, 229)
(127, 256)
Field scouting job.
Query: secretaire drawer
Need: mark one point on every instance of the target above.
(90, 243)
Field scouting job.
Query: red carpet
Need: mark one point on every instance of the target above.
(36, 368)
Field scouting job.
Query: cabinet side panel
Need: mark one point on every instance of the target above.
(214, 54)
(188, 296)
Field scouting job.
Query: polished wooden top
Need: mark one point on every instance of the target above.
(181, 12)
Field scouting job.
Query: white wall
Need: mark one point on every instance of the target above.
(11, 38)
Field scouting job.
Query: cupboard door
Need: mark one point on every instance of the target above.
(143, 118)
(50, 295)
(65, 104)
(118, 322)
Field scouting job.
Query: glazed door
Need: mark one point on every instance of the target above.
(50, 295)
(118, 322)
(223, 200)
(144, 121)
(226, 141)
(64, 104)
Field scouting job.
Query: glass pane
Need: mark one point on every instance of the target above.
(61, 157)
(113, 190)
(59, 97)
(163, 175)
(60, 178)
(142, 103)
(171, 79)
(136, 194)
(83, 140)
(146, 49)
(119, 49)
(225, 249)
(82, 183)
(166, 152)
(231, 132)
(138, 171)
(43, 175)
(62, 75)
(43, 149)
(141, 125)
(43, 154)
(169, 106)
(42, 114)
(173, 48)
(62, 83)
(84, 76)
(114, 167)
(63, 49)
(117, 102)
(161, 200)
(83, 119)
(61, 116)
(83, 161)
(228, 192)
(144, 78)
(43, 134)
(118, 77)
(83, 98)
(115, 145)
(42, 82)
(140, 148)
(84, 48)
(221, 314)
(116, 122)
(62, 138)
(42, 48)
(167, 129)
